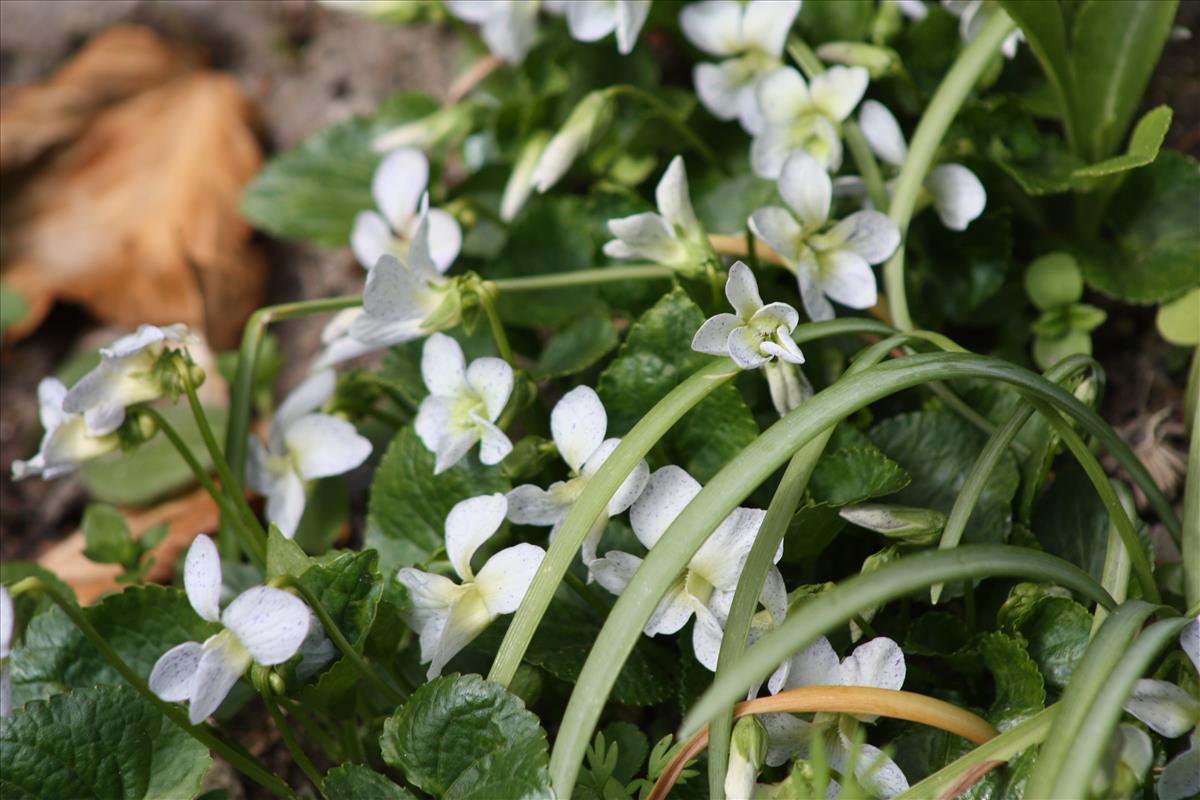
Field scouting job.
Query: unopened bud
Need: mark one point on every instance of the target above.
(147, 426)
(278, 684)
(910, 525)
(586, 121)
(196, 375)
(747, 751)
(878, 61)
(520, 182)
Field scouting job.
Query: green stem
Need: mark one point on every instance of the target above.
(1088, 682)
(1190, 537)
(989, 457)
(339, 640)
(488, 303)
(1116, 512)
(663, 110)
(289, 740)
(585, 593)
(856, 142)
(585, 277)
(249, 542)
(591, 504)
(604, 484)
(750, 584)
(314, 731)
(243, 762)
(231, 485)
(1021, 736)
(945, 104)
(1104, 712)
(241, 390)
(737, 479)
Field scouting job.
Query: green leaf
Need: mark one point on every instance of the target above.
(1179, 320)
(632, 749)
(1157, 243)
(1045, 30)
(1057, 630)
(324, 516)
(106, 742)
(656, 356)
(462, 737)
(356, 782)
(724, 206)
(314, 191)
(937, 450)
(349, 588)
(1071, 522)
(577, 347)
(1114, 47)
(1018, 687)
(140, 623)
(962, 270)
(13, 308)
(153, 470)
(284, 556)
(1143, 148)
(836, 20)
(106, 536)
(853, 474)
(408, 505)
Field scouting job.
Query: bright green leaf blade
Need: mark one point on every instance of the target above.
(408, 505)
(356, 782)
(1057, 631)
(1053, 280)
(107, 536)
(1045, 30)
(1114, 47)
(348, 587)
(1179, 320)
(854, 474)
(463, 737)
(140, 623)
(837, 606)
(1143, 148)
(1019, 691)
(104, 742)
(284, 556)
(314, 191)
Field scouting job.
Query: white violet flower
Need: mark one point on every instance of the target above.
(592, 20)
(673, 236)
(829, 261)
(957, 194)
(399, 301)
(757, 333)
(750, 37)
(507, 27)
(878, 663)
(398, 187)
(303, 446)
(263, 626)
(66, 442)
(127, 374)
(463, 405)
(801, 118)
(7, 623)
(446, 615)
(707, 586)
(578, 424)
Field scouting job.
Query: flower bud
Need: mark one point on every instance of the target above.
(586, 121)
(878, 61)
(910, 525)
(520, 182)
(428, 131)
(747, 751)
(788, 385)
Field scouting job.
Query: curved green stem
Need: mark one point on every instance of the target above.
(1104, 712)
(240, 760)
(231, 485)
(1117, 515)
(585, 277)
(936, 120)
(250, 543)
(289, 740)
(738, 478)
(663, 110)
(1117, 563)
(488, 303)
(1088, 682)
(243, 379)
(604, 484)
(989, 457)
(952, 779)
(339, 640)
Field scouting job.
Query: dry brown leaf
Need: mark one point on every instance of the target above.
(117, 64)
(138, 220)
(185, 516)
